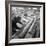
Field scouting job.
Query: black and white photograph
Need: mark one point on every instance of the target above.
(25, 22)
